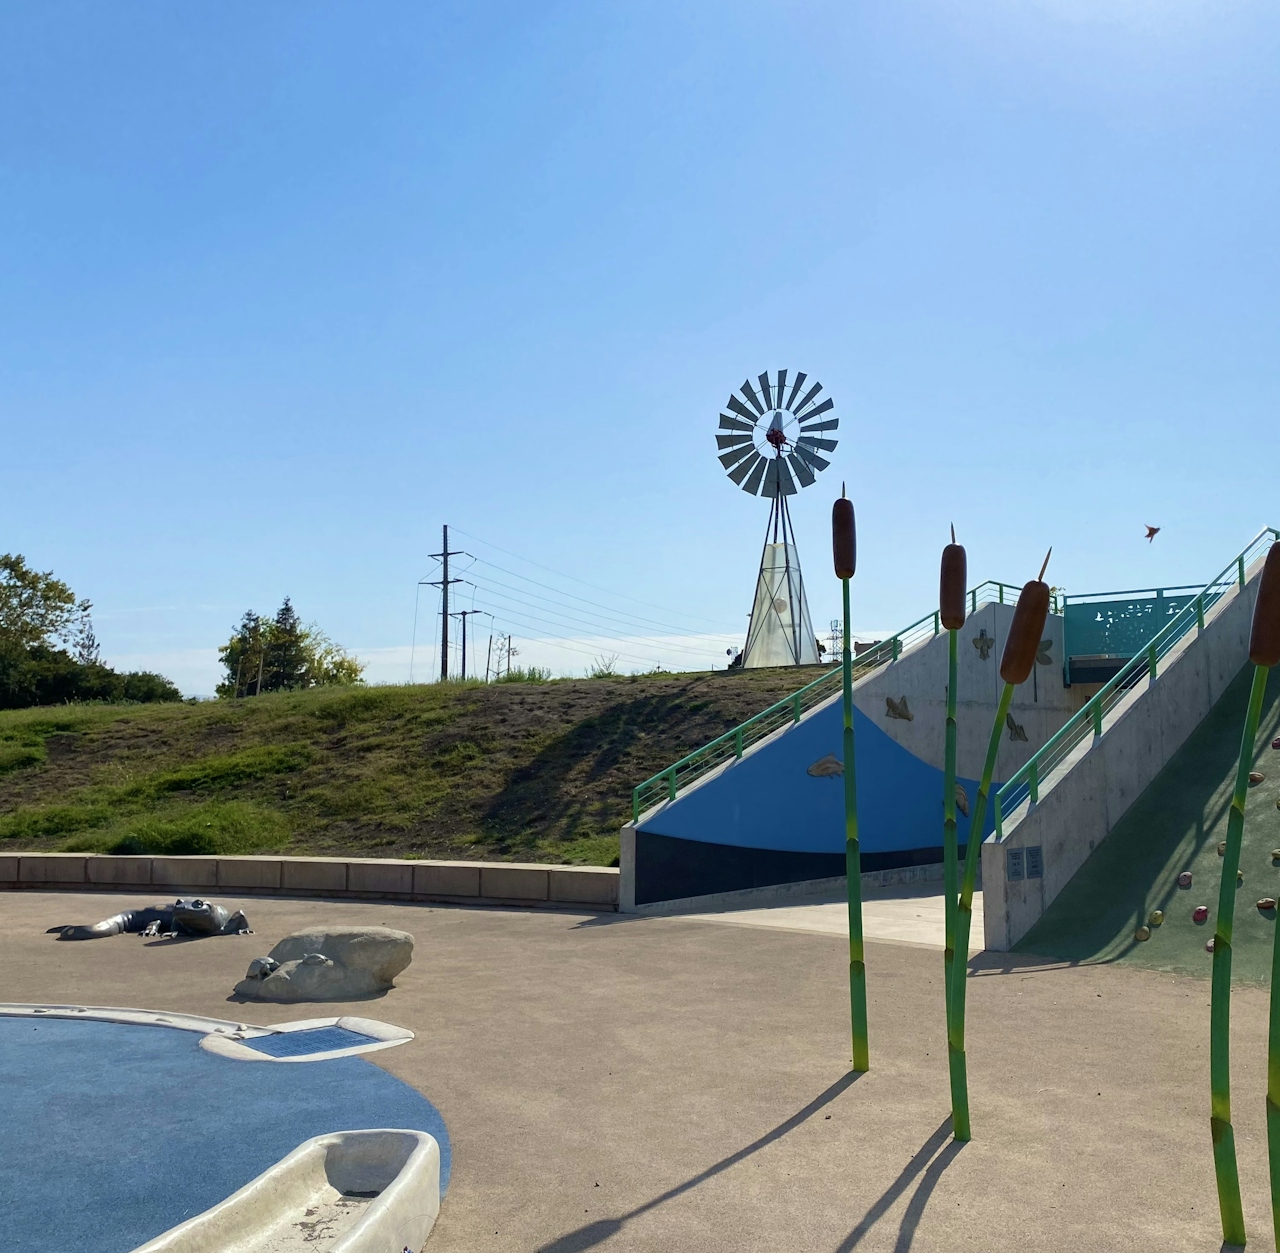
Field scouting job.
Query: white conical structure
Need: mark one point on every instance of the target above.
(780, 632)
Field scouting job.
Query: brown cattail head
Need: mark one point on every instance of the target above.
(1264, 641)
(844, 539)
(1025, 633)
(955, 577)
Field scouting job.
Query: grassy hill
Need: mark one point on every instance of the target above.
(522, 771)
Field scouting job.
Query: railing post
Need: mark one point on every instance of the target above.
(671, 784)
(737, 743)
(1033, 781)
(795, 708)
(1240, 567)
(973, 601)
(1097, 717)
(935, 622)
(635, 805)
(1200, 611)
(1151, 660)
(1001, 587)
(999, 824)
(896, 647)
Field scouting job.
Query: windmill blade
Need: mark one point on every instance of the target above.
(809, 441)
(811, 459)
(752, 484)
(813, 413)
(732, 424)
(732, 441)
(802, 472)
(744, 468)
(799, 383)
(808, 396)
(730, 459)
(780, 389)
(829, 425)
(786, 484)
(766, 391)
(770, 488)
(749, 392)
(741, 410)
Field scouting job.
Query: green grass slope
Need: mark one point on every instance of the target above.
(521, 771)
(1176, 825)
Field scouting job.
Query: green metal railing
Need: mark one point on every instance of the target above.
(665, 785)
(1024, 786)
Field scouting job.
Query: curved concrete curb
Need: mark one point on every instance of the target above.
(223, 1037)
(392, 1176)
(350, 878)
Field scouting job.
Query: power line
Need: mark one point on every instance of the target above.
(574, 578)
(620, 614)
(587, 627)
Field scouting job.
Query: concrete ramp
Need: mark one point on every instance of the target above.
(774, 816)
(1070, 801)
(1175, 825)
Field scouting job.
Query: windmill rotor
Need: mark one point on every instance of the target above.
(772, 435)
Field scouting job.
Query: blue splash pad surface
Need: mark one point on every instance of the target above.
(114, 1133)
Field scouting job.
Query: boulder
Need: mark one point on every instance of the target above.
(337, 964)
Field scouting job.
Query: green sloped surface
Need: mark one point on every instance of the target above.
(1176, 825)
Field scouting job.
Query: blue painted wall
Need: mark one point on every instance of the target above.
(769, 800)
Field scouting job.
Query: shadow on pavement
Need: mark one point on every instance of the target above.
(920, 1198)
(598, 1232)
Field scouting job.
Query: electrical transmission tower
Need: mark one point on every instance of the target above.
(443, 584)
(464, 615)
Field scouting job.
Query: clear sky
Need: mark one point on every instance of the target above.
(287, 286)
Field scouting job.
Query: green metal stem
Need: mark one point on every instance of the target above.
(951, 874)
(1224, 1140)
(964, 916)
(853, 865)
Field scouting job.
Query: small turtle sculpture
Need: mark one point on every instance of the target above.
(186, 916)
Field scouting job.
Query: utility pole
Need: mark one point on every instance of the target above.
(443, 584)
(464, 615)
(489, 656)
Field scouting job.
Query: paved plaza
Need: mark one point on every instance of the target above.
(677, 1083)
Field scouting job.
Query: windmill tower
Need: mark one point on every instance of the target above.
(769, 440)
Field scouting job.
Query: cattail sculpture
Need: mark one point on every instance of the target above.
(844, 550)
(1264, 652)
(951, 597)
(1025, 633)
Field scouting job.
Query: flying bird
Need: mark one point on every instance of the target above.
(1152, 532)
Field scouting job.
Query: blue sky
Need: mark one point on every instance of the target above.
(285, 287)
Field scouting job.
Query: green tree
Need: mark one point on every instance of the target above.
(48, 651)
(282, 654)
(36, 608)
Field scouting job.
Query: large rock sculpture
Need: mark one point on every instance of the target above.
(329, 964)
(186, 916)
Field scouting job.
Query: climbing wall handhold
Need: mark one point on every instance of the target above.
(1276, 742)
(1142, 933)
(1184, 879)
(1156, 918)
(1200, 913)
(1266, 903)
(1222, 848)
(1208, 948)
(1256, 777)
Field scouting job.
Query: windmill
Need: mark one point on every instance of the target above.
(769, 441)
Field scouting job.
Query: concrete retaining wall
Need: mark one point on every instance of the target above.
(353, 878)
(1087, 794)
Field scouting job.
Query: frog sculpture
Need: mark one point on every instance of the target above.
(185, 917)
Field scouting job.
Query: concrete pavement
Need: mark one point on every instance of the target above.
(664, 1084)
